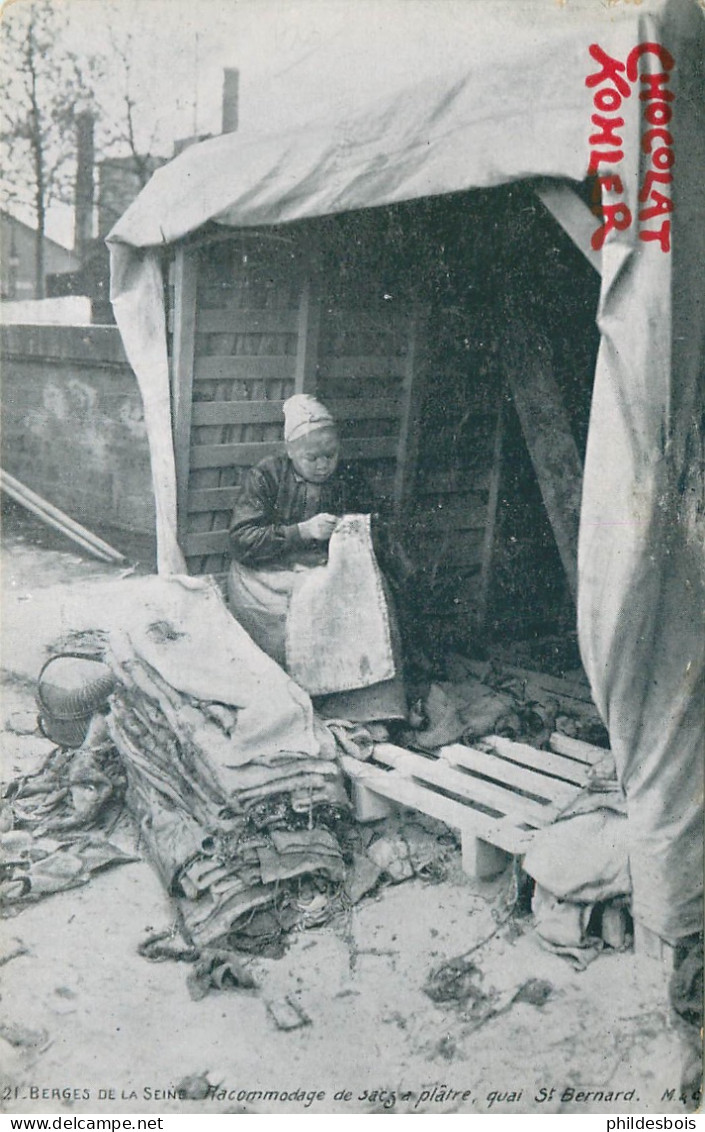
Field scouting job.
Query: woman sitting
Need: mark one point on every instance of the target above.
(280, 530)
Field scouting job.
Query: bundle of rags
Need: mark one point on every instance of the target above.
(210, 731)
(581, 865)
(338, 632)
(54, 823)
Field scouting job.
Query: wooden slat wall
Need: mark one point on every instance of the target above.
(246, 334)
(450, 519)
(365, 359)
(250, 330)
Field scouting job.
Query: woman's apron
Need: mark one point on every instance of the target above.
(260, 600)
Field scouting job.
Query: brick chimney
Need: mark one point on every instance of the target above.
(85, 158)
(231, 83)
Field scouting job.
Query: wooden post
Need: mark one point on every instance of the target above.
(307, 344)
(481, 859)
(573, 215)
(491, 520)
(412, 394)
(547, 432)
(185, 288)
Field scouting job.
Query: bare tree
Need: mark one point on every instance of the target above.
(121, 131)
(43, 87)
(128, 123)
(49, 81)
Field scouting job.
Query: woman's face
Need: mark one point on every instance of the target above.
(315, 456)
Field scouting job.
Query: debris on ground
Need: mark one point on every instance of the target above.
(218, 970)
(167, 945)
(55, 823)
(22, 1037)
(536, 992)
(490, 697)
(362, 876)
(22, 723)
(466, 709)
(195, 1087)
(253, 840)
(73, 791)
(11, 949)
(455, 981)
(562, 927)
(566, 698)
(287, 1014)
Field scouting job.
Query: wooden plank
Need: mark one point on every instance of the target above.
(308, 328)
(457, 813)
(58, 519)
(468, 517)
(525, 355)
(412, 394)
(364, 409)
(206, 542)
(510, 773)
(237, 412)
(247, 454)
(449, 481)
(490, 523)
(248, 412)
(365, 318)
(577, 749)
(503, 801)
(185, 289)
(451, 508)
(480, 858)
(451, 547)
(572, 771)
(213, 499)
(225, 455)
(243, 367)
(352, 366)
(577, 689)
(454, 537)
(242, 321)
(573, 215)
(368, 806)
(649, 945)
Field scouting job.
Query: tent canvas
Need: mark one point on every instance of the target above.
(476, 96)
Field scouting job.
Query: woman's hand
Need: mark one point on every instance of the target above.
(319, 528)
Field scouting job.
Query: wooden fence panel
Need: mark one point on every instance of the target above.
(248, 331)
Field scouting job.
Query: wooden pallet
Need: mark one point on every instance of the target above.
(496, 794)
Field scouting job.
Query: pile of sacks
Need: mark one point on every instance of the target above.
(235, 786)
(580, 865)
(55, 823)
(228, 773)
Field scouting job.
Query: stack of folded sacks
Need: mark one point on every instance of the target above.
(228, 774)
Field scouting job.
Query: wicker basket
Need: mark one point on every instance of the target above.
(70, 689)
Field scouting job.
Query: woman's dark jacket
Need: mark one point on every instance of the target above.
(275, 498)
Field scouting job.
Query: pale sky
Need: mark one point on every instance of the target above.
(178, 49)
(295, 57)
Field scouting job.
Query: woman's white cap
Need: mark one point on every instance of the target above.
(302, 414)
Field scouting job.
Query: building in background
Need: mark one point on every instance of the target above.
(120, 179)
(104, 190)
(18, 262)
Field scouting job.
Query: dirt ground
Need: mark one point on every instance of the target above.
(88, 1025)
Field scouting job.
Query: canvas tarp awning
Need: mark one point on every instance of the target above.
(491, 93)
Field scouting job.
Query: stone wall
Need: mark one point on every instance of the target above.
(72, 424)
